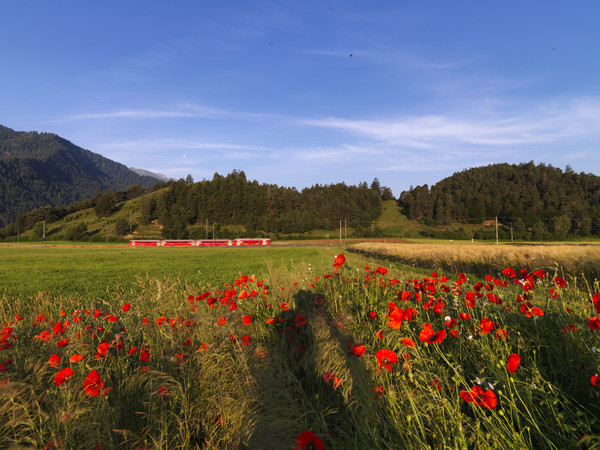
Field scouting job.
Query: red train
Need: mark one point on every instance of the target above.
(200, 243)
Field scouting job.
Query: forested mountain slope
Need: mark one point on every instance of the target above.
(525, 196)
(39, 169)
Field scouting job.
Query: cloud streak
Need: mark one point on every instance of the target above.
(548, 124)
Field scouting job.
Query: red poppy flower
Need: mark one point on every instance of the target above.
(358, 350)
(529, 310)
(163, 391)
(379, 334)
(5, 333)
(381, 271)
(261, 353)
(300, 320)
(126, 307)
(396, 316)
(595, 380)
(560, 282)
(477, 395)
(386, 358)
(428, 336)
(221, 321)
(63, 375)
(270, 320)
(92, 385)
(486, 325)
(246, 340)
(76, 358)
(408, 341)
(308, 440)
(285, 306)
(102, 350)
(54, 361)
(509, 272)
(144, 356)
(502, 334)
(247, 320)
(464, 316)
(372, 315)
(339, 261)
(596, 300)
(450, 323)
(62, 342)
(593, 323)
(513, 362)
(161, 320)
(539, 273)
(406, 295)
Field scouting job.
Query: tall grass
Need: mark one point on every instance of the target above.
(176, 374)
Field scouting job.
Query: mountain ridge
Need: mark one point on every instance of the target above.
(44, 169)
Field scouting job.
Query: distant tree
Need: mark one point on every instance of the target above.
(386, 193)
(189, 179)
(38, 230)
(77, 233)
(376, 186)
(121, 226)
(539, 232)
(105, 204)
(147, 207)
(561, 226)
(519, 229)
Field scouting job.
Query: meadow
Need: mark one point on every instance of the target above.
(90, 271)
(293, 348)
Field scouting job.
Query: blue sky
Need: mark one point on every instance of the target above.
(303, 92)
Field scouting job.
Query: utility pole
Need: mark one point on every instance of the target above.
(496, 229)
(44, 230)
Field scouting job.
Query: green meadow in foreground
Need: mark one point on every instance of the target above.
(91, 271)
(347, 357)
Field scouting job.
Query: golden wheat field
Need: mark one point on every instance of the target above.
(572, 259)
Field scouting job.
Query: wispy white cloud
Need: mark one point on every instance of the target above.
(546, 124)
(180, 111)
(161, 145)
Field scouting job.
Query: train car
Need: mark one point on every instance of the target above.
(214, 243)
(177, 243)
(200, 243)
(144, 243)
(252, 241)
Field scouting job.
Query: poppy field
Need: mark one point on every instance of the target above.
(350, 357)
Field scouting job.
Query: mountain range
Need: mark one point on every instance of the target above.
(44, 169)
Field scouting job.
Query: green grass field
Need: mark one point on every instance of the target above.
(353, 357)
(89, 271)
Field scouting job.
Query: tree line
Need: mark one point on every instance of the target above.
(236, 206)
(538, 202)
(268, 208)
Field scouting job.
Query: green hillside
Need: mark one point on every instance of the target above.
(40, 169)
